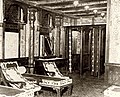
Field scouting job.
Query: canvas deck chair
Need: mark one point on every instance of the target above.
(52, 71)
(12, 77)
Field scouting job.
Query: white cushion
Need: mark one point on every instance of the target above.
(21, 69)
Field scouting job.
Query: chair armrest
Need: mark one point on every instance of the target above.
(32, 77)
(16, 82)
(65, 77)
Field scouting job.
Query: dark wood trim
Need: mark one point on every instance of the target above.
(3, 33)
(98, 62)
(108, 31)
(3, 44)
(13, 59)
(112, 72)
(19, 16)
(81, 50)
(99, 50)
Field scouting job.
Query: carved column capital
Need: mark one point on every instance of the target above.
(32, 12)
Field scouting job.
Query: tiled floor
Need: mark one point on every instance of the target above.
(87, 86)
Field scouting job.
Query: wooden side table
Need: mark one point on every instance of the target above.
(57, 84)
(59, 89)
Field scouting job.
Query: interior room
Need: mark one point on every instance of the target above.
(59, 48)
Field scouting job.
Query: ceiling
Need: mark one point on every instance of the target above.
(67, 7)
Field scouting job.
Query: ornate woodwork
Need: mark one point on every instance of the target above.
(92, 49)
(32, 18)
(15, 15)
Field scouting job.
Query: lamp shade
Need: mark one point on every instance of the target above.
(75, 3)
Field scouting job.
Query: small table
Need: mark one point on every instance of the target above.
(6, 91)
(57, 84)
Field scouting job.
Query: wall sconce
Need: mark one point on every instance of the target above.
(86, 8)
(102, 15)
(32, 14)
(95, 12)
(38, 28)
(75, 3)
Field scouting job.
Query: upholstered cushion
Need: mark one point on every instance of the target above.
(21, 69)
(13, 75)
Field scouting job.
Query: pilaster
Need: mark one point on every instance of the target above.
(113, 32)
(32, 12)
(112, 59)
(1, 27)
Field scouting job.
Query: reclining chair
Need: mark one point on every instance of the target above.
(52, 71)
(12, 77)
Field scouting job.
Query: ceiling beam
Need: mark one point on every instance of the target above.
(66, 7)
(91, 9)
(51, 2)
(69, 7)
(86, 14)
(89, 15)
(61, 2)
(44, 8)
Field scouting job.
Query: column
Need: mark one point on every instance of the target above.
(1, 28)
(62, 39)
(23, 40)
(93, 52)
(112, 59)
(113, 32)
(36, 37)
(70, 51)
(31, 38)
(57, 35)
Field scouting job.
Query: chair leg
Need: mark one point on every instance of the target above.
(69, 91)
(2, 80)
(37, 94)
(58, 92)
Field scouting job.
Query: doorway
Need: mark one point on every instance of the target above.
(88, 48)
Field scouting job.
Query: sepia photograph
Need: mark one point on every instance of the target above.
(59, 48)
